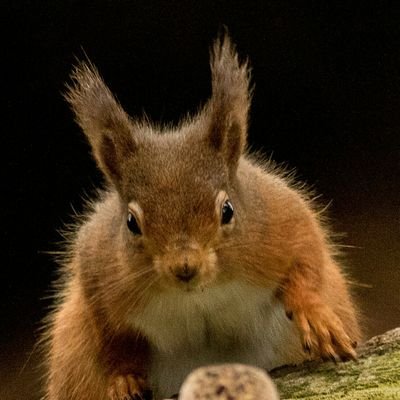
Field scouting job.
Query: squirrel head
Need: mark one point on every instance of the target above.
(175, 185)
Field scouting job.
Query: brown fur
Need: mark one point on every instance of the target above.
(175, 183)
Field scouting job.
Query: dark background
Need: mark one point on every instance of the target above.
(327, 101)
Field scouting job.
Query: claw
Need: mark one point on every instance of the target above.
(289, 314)
(307, 347)
(349, 356)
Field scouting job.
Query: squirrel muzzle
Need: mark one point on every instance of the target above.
(186, 266)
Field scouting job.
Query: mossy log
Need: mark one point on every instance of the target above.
(375, 375)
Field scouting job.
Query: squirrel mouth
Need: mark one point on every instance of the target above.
(192, 287)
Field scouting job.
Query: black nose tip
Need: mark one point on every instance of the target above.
(185, 273)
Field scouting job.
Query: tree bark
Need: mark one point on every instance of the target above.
(375, 375)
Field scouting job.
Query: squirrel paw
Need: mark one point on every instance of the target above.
(127, 387)
(322, 333)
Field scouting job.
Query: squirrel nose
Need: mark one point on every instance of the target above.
(185, 273)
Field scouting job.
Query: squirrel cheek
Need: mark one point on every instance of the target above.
(209, 270)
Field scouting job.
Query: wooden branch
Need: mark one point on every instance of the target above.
(375, 375)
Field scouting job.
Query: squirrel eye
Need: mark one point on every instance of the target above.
(133, 225)
(227, 212)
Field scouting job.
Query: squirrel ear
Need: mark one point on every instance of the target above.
(230, 102)
(106, 125)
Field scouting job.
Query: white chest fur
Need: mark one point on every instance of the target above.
(235, 322)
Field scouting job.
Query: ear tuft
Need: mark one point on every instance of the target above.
(230, 101)
(105, 123)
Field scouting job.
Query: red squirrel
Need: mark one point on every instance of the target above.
(196, 253)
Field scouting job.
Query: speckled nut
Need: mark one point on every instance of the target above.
(228, 382)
